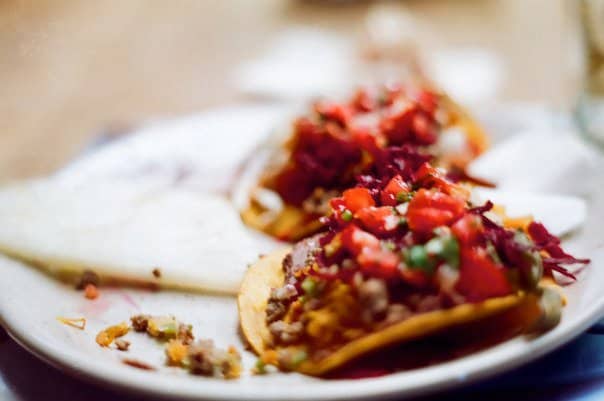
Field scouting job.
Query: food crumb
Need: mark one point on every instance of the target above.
(207, 360)
(106, 336)
(140, 322)
(91, 291)
(259, 367)
(122, 345)
(138, 364)
(176, 352)
(78, 323)
(156, 273)
(88, 277)
(163, 327)
(198, 358)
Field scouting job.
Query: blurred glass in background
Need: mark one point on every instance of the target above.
(590, 110)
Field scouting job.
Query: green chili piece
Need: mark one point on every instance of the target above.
(418, 258)
(309, 286)
(347, 215)
(450, 251)
(260, 366)
(299, 357)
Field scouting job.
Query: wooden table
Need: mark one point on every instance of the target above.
(69, 69)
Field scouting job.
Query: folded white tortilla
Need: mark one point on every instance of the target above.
(123, 230)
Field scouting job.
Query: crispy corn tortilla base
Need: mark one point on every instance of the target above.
(290, 224)
(255, 290)
(267, 273)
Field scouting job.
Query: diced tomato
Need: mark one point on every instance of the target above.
(480, 277)
(393, 189)
(294, 194)
(424, 171)
(428, 101)
(337, 204)
(372, 258)
(356, 199)
(337, 112)
(391, 92)
(378, 220)
(364, 101)
(423, 221)
(397, 126)
(355, 240)
(430, 177)
(429, 209)
(425, 129)
(367, 139)
(433, 199)
(341, 215)
(468, 229)
(416, 278)
(379, 263)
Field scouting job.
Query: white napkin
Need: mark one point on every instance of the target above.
(541, 161)
(561, 214)
(300, 63)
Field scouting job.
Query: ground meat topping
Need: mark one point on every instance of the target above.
(286, 333)
(279, 297)
(397, 313)
(284, 293)
(302, 255)
(430, 303)
(275, 310)
(373, 297)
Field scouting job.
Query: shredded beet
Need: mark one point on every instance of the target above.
(508, 249)
(482, 209)
(545, 241)
(512, 252)
(328, 146)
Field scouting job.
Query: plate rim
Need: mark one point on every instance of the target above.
(139, 382)
(387, 386)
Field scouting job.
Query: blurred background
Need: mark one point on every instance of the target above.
(72, 69)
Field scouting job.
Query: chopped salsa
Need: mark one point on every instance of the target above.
(404, 241)
(339, 141)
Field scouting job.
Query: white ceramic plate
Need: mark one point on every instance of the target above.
(30, 301)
